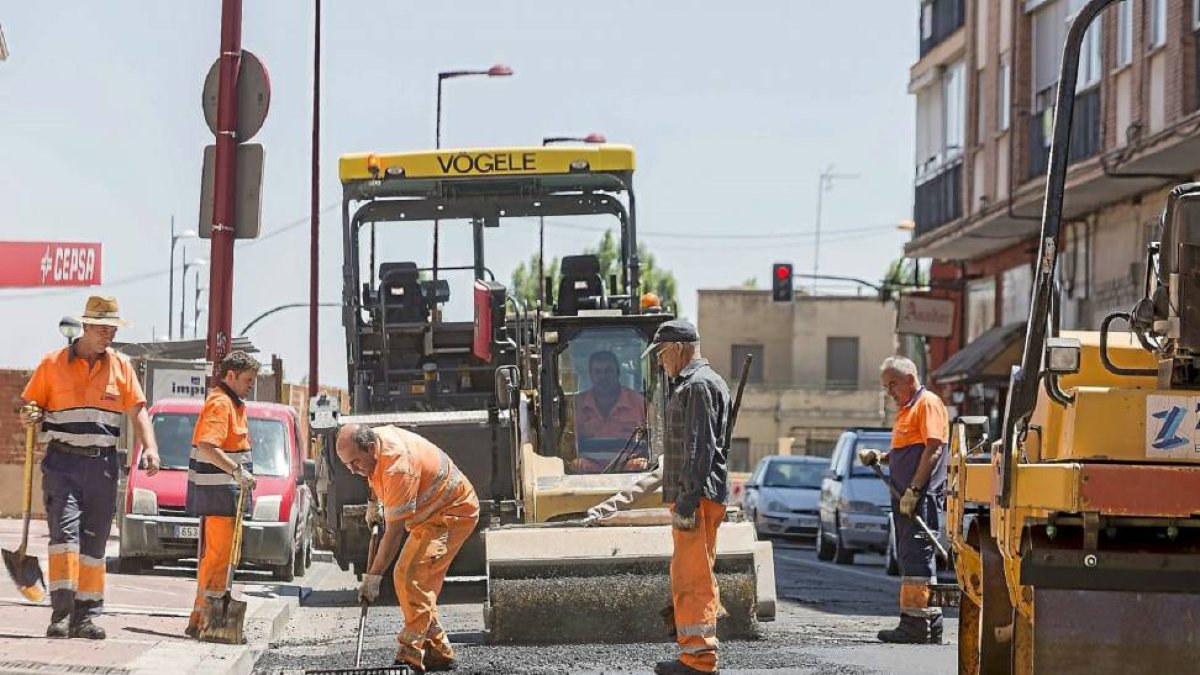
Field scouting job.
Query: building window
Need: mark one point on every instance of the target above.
(1091, 56)
(739, 454)
(927, 20)
(1125, 33)
(1004, 92)
(953, 95)
(841, 362)
(1016, 286)
(981, 306)
(1156, 24)
(738, 354)
(1195, 13)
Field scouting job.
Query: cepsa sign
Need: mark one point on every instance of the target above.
(33, 264)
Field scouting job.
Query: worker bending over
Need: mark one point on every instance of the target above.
(918, 468)
(421, 489)
(219, 468)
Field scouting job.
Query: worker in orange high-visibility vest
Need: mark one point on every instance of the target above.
(422, 490)
(696, 485)
(79, 394)
(219, 468)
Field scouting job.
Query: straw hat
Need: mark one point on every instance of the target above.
(103, 311)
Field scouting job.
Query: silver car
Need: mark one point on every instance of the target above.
(854, 504)
(781, 496)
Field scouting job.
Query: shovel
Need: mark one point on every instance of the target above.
(224, 618)
(916, 519)
(362, 618)
(24, 569)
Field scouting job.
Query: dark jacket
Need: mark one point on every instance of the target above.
(696, 452)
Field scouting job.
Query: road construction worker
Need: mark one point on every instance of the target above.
(78, 394)
(696, 486)
(219, 468)
(609, 410)
(422, 490)
(918, 470)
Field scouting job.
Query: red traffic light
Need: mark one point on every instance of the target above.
(783, 271)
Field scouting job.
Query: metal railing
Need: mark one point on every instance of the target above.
(939, 200)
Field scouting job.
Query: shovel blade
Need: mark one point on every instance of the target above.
(26, 573)
(224, 621)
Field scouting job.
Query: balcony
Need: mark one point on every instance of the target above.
(1085, 134)
(939, 200)
(939, 20)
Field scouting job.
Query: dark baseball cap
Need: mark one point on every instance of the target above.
(675, 330)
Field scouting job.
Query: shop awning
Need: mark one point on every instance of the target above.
(989, 357)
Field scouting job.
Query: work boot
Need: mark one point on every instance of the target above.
(60, 628)
(911, 631)
(86, 629)
(678, 668)
(439, 657)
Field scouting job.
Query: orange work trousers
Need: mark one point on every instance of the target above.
(418, 577)
(694, 590)
(212, 574)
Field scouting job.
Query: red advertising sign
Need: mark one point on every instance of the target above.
(34, 264)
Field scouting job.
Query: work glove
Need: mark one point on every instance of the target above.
(368, 590)
(245, 479)
(374, 514)
(872, 457)
(681, 522)
(908, 503)
(31, 415)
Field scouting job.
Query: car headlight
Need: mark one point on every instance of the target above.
(775, 505)
(145, 502)
(267, 508)
(863, 507)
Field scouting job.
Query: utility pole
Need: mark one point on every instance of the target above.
(315, 229)
(220, 283)
(825, 183)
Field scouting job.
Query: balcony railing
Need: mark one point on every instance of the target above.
(939, 200)
(944, 17)
(1085, 133)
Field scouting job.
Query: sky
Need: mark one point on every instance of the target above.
(734, 109)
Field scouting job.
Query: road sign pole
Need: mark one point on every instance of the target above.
(220, 283)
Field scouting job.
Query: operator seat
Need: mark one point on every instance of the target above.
(582, 286)
(400, 297)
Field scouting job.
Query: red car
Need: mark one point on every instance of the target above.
(154, 526)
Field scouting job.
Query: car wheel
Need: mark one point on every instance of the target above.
(824, 548)
(841, 554)
(299, 568)
(892, 566)
(286, 571)
(131, 565)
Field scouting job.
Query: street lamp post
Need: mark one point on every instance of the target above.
(186, 234)
(187, 265)
(498, 70)
(825, 183)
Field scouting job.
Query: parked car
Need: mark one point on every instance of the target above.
(854, 504)
(781, 496)
(155, 527)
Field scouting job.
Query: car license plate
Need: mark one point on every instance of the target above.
(187, 532)
(807, 521)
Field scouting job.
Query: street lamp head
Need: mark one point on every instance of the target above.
(499, 70)
(906, 225)
(187, 233)
(197, 262)
(70, 327)
(595, 137)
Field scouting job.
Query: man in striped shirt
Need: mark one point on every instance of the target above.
(80, 393)
(421, 489)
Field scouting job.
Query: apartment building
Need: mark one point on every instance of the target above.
(815, 369)
(984, 85)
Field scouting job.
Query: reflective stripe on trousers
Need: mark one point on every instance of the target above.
(418, 576)
(212, 573)
(79, 494)
(694, 591)
(915, 557)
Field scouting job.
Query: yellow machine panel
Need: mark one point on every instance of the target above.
(483, 162)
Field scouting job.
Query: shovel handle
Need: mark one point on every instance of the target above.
(27, 498)
(941, 550)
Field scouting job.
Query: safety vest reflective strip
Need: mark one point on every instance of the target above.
(82, 427)
(440, 482)
(703, 630)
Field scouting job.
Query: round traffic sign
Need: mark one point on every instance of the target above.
(254, 96)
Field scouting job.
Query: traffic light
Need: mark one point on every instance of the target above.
(781, 282)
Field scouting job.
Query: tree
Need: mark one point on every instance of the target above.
(654, 279)
(904, 274)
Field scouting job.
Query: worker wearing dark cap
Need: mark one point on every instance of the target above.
(696, 485)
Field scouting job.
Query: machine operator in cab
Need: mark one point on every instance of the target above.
(422, 491)
(917, 466)
(608, 412)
